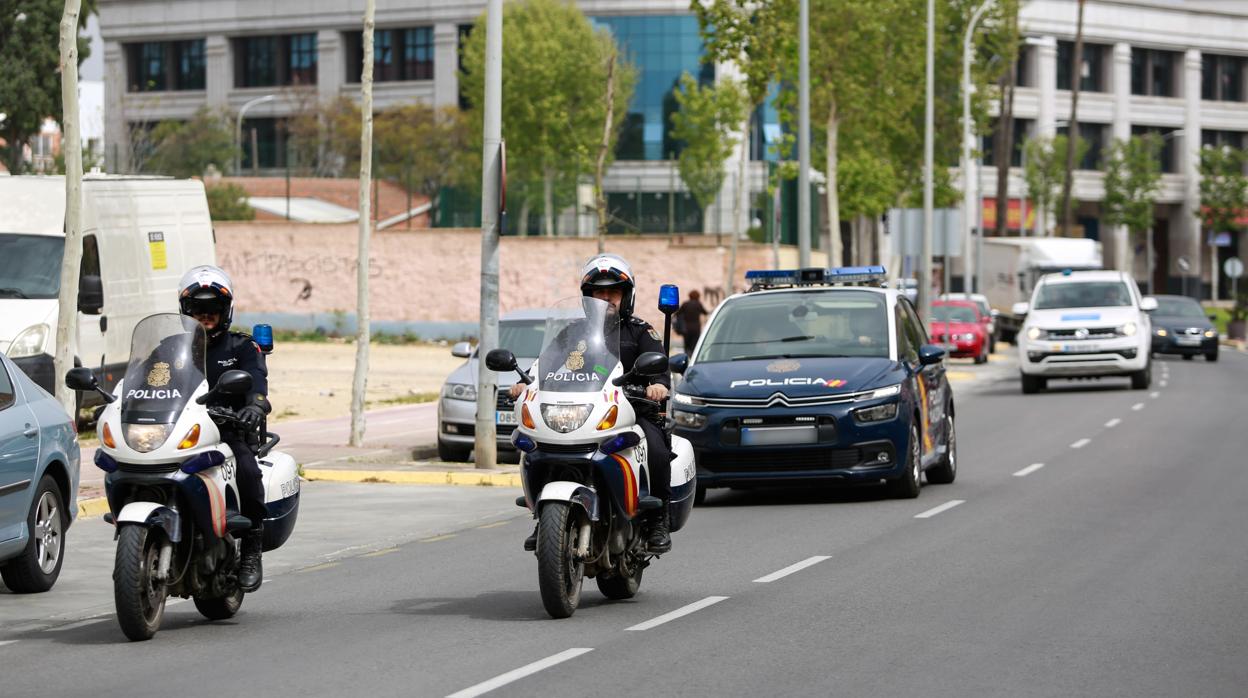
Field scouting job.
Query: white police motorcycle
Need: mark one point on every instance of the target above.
(171, 481)
(584, 467)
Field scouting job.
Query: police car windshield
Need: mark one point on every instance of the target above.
(816, 323)
(167, 355)
(1083, 294)
(581, 346)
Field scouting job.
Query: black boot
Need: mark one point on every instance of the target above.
(530, 543)
(250, 571)
(660, 540)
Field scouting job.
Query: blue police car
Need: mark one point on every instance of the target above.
(817, 375)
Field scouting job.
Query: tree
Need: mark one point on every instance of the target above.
(424, 148)
(1076, 81)
(228, 202)
(326, 137)
(1132, 178)
(554, 86)
(1043, 172)
(359, 381)
(707, 122)
(1223, 189)
(186, 149)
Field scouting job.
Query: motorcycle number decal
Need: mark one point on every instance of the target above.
(640, 451)
(227, 470)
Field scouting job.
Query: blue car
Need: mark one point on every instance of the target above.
(38, 482)
(817, 375)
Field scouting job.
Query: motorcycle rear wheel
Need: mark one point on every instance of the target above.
(559, 575)
(140, 600)
(220, 607)
(618, 586)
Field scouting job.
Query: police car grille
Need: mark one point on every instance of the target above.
(782, 400)
(805, 459)
(148, 468)
(505, 403)
(1093, 333)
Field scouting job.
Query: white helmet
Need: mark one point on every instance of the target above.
(207, 289)
(610, 271)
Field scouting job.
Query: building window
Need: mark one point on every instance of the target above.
(1169, 161)
(1222, 78)
(190, 64)
(270, 143)
(1094, 136)
(1091, 71)
(271, 61)
(166, 65)
(653, 212)
(1022, 70)
(147, 67)
(1152, 72)
(1222, 139)
(1022, 131)
(398, 54)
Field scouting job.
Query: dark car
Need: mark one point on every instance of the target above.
(1180, 327)
(808, 378)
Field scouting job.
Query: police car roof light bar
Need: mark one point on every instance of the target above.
(842, 276)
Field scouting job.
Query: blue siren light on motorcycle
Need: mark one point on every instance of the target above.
(202, 461)
(105, 462)
(263, 334)
(669, 298)
(619, 442)
(522, 442)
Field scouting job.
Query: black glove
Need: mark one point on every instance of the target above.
(250, 417)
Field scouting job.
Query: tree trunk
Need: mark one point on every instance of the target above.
(1076, 77)
(548, 203)
(600, 198)
(1003, 150)
(738, 198)
(834, 203)
(359, 384)
(67, 301)
(522, 225)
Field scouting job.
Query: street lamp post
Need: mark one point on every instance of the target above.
(929, 118)
(970, 183)
(803, 136)
(238, 130)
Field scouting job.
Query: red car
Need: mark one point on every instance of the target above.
(960, 329)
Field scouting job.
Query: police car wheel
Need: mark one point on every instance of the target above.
(944, 472)
(908, 485)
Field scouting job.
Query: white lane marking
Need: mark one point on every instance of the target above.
(1081, 443)
(7, 642)
(517, 674)
(678, 613)
(942, 508)
(75, 626)
(1154, 394)
(1163, 384)
(1137, 406)
(1113, 423)
(1029, 470)
(780, 574)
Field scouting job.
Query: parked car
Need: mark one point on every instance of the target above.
(988, 316)
(38, 481)
(522, 332)
(959, 328)
(1180, 327)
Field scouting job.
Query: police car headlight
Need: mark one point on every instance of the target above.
(1127, 330)
(682, 399)
(1161, 332)
(29, 343)
(460, 391)
(879, 413)
(565, 418)
(146, 438)
(886, 391)
(688, 420)
(1034, 333)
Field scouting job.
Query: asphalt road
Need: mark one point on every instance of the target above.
(1093, 544)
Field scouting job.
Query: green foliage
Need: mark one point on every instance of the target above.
(1132, 178)
(1044, 168)
(554, 94)
(707, 122)
(187, 148)
(1223, 188)
(228, 202)
(753, 35)
(30, 77)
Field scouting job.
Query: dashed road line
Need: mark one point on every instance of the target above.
(75, 626)
(1081, 443)
(379, 553)
(678, 613)
(1029, 470)
(1163, 384)
(940, 509)
(322, 566)
(517, 674)
(435, 539)
(1113, 423)
(7, 642)
(780, 574)
(496, 524)
(1137, 406)
(1154, 395)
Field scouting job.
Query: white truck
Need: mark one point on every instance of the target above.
(140, 234)
(1012, 266)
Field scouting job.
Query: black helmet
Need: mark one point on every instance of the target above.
(206, 289)
(610, 271)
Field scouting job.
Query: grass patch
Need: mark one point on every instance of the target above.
(1221, 317)
(409, 399)
(374, 479)
(286, 413)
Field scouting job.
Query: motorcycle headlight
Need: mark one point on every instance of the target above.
(565, 418)
(1127, 330)
(689, 420)
(29, 343)
(460, 391)
(145, 438)
(1034, 333)
(879, 413)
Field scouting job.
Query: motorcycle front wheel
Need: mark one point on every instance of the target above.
(140, 599)
(559, 574)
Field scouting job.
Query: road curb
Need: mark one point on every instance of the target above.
(92, 507)
(400, 477)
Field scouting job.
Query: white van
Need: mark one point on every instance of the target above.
(140, 234)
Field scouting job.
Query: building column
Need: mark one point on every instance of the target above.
(1121, 85)
(1185, 238)
(116, 135)
(331, 66)
(1046, 82)
(445, 65)
(218, 72)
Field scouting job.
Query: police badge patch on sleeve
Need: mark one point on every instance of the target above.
(655, 334)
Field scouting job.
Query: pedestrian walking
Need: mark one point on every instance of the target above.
(689, 320)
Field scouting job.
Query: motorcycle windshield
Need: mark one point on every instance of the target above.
(581, 347)
(167, 359)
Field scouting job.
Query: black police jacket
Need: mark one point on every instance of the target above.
(231, 351)
(636, 338)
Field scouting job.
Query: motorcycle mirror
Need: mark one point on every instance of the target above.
(651, 363)
(82, 378)
(234, 383)
(500, 360)
(678, 363)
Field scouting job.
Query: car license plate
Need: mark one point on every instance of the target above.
(1187, 341)
(1081, 348)
(779, 436)
(504, 417)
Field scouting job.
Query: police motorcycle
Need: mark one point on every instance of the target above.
(170, 482)
(584, 468)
